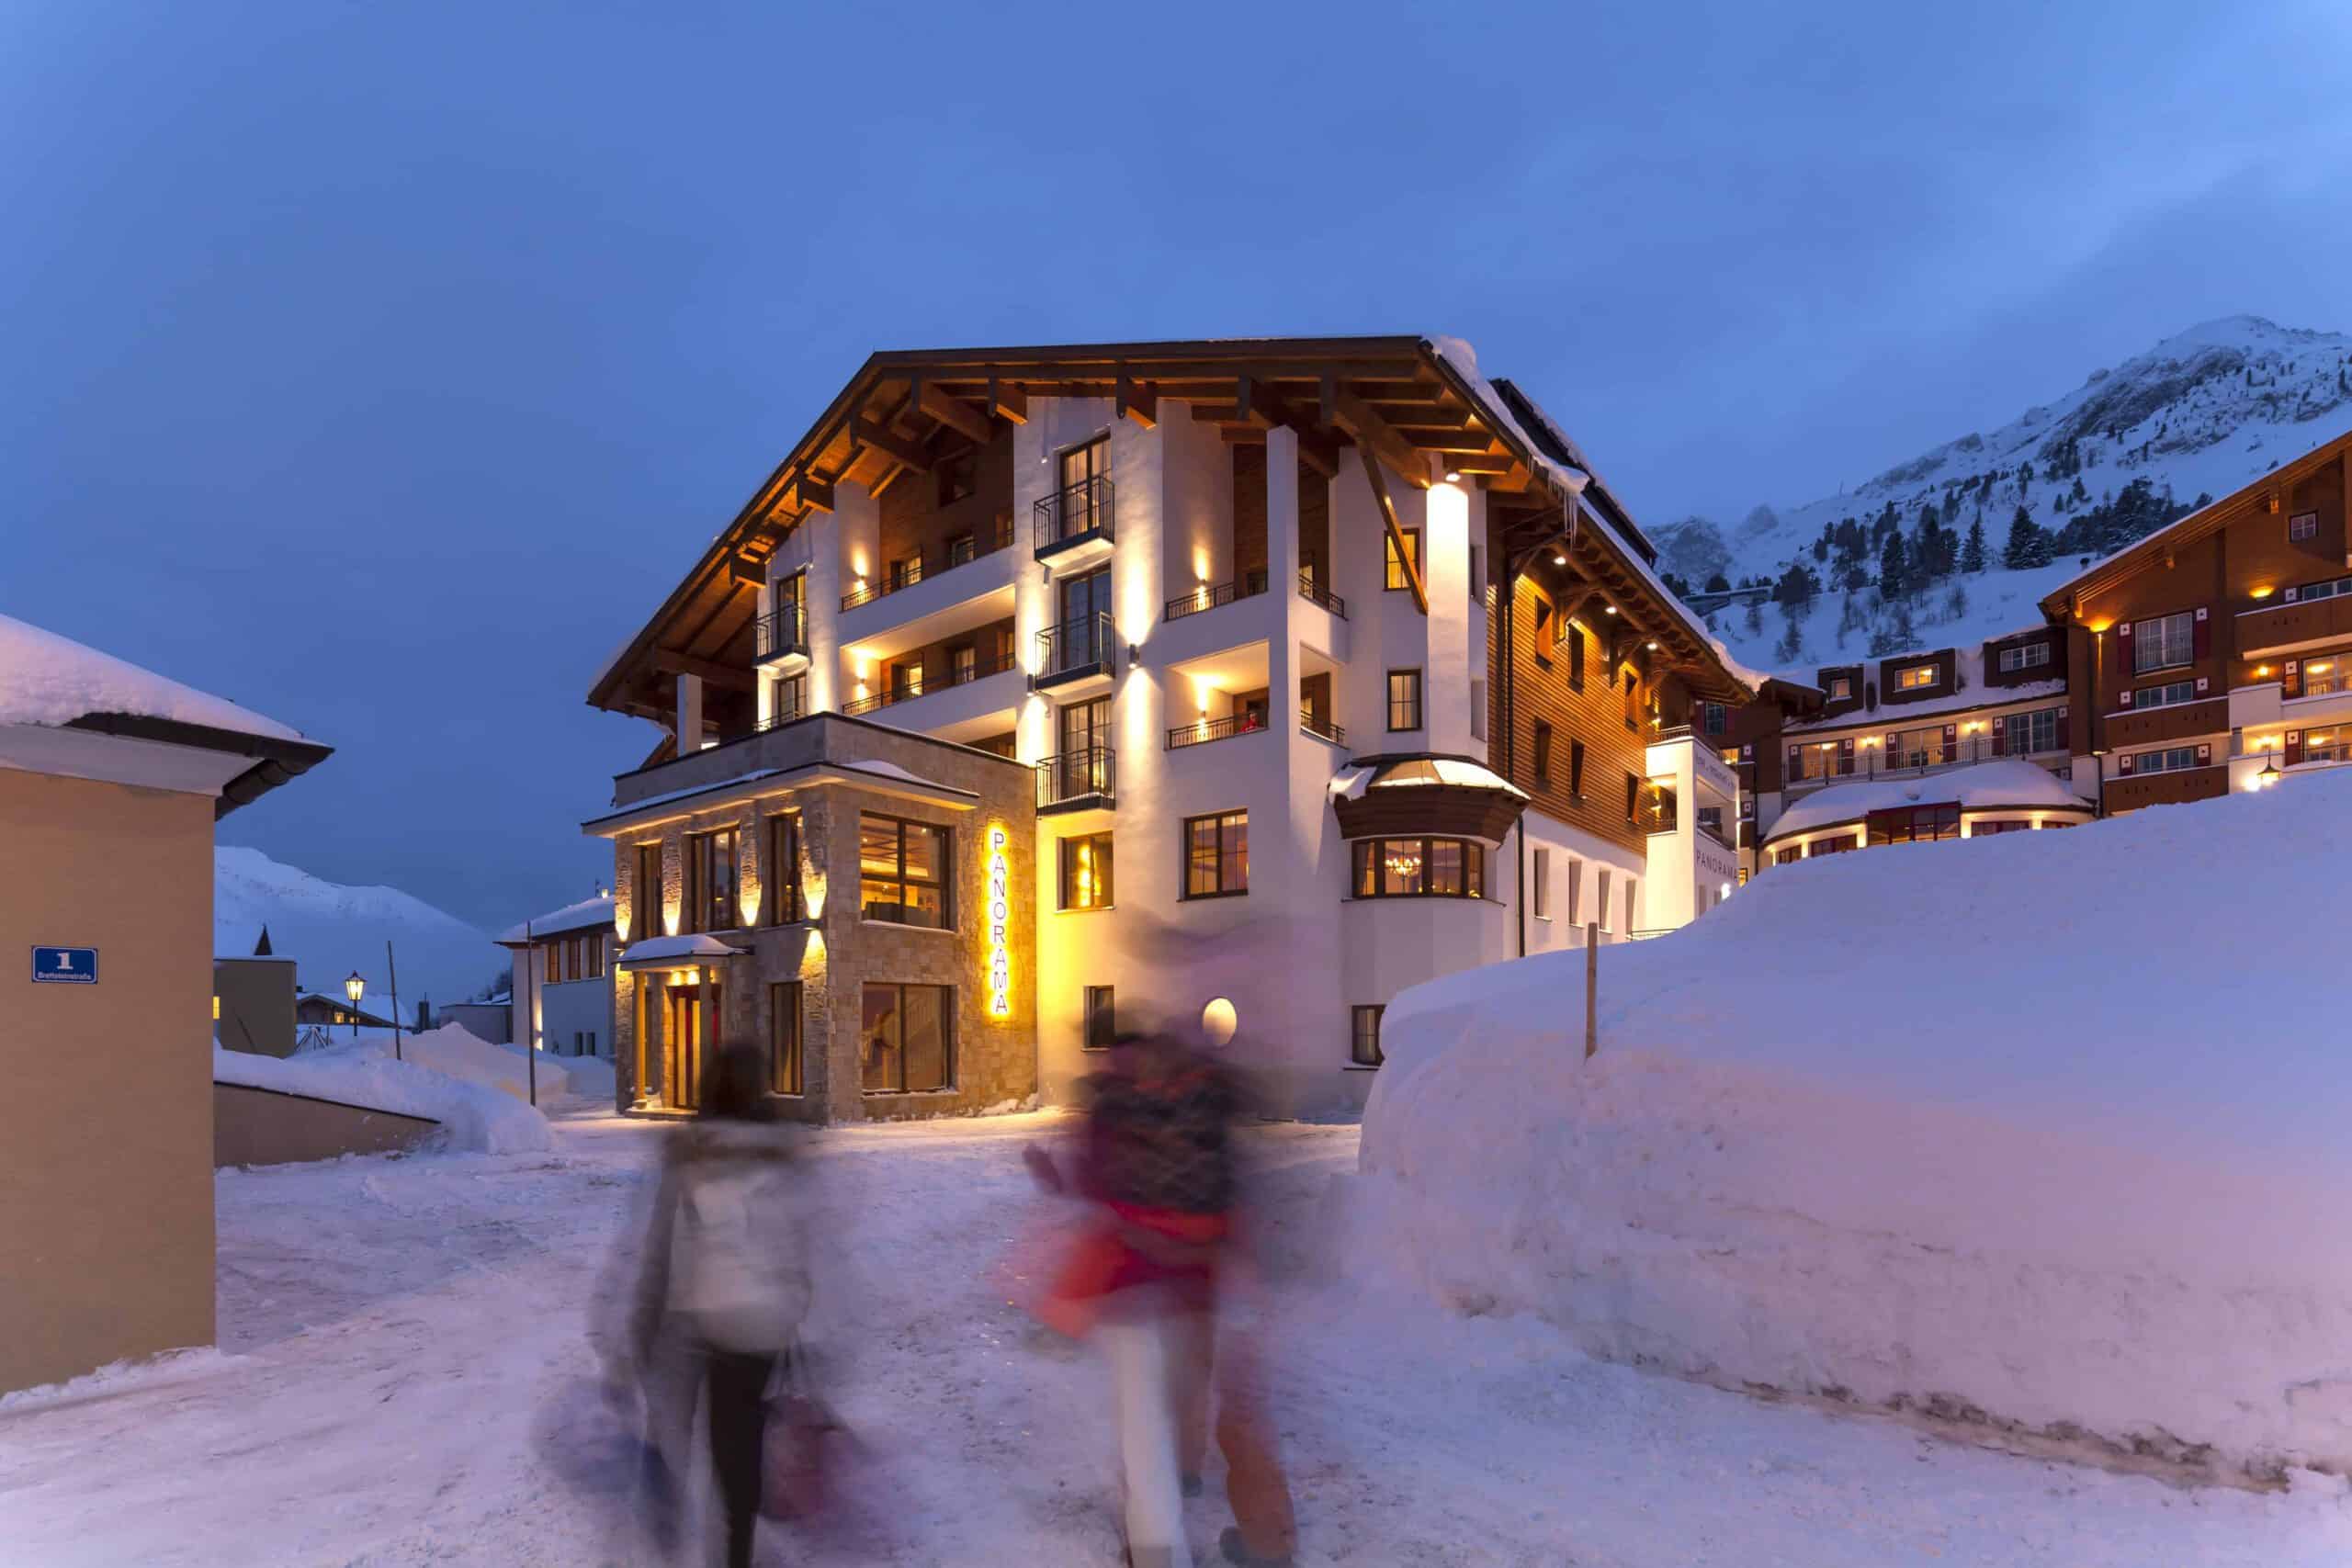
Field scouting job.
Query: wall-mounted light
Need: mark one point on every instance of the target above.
(1609, 609)
(1452, 477)
(2267, 777)
(2265, 592)
(1651, 646)
(1559, 560)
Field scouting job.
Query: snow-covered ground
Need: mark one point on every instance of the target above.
(402, 1372)
(2041, 1128)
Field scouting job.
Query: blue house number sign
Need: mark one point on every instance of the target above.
(65, 966)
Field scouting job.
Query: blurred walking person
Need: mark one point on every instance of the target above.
(722, 1289)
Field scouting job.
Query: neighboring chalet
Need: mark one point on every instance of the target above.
(1229, 686)
(2216, 654)
(562, 997)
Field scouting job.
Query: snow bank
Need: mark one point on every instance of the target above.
(475, 1118)
(1979, 786)
(47, 679)
(457, 1052)
(2043, 1130)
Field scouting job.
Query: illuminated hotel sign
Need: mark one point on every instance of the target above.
(999, 920)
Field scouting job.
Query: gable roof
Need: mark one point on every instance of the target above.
(2234, 507)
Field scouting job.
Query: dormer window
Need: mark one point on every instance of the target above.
(1841, 688)
(1915, 677)
(2030, 656)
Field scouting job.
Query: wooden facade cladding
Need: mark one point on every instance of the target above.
(917, 518)
(2277, 626)
(2182, 721)
(2165, 789)
(1545, 693)
(1458, 811)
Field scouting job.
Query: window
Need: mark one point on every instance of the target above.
(1837, 846)
(902, 868)
(1542, 752)
(1477, 574)
(2163, 642)
(2308, 592)
(1632, 700)
(1404, 699)
(780, 875)
(2031, 656)
(958, 477)
(1632, 888)
(1713, 719)
(1710, 821)
(2302, 526)
(784, 1037)
(2322, 676)
(710, 882)
(908, 1039)
(791, 699)
(1102, 1017)
(645, 894)
(1420, 868)
(1790, 855)
(1987, 829)
(1632, 797)
(1841, 688)
(1086, 871)
(1915, 677)
(1600, 900)
(2170, 760)
(1217, 855)
(1913, 824)
(1918, 749)
(2035, 731)
(1478, 710)
(2332, 744)
(963, 664)
(2170, 694)
(905, 571)
(1576, 769)
(1397, 577)
(1089, 460)
(1542, 891)
(1547, 630)
(1576, 657)
(1363, 1034)
(1576, 891)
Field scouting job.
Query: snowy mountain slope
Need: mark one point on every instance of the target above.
(2203, 413)
(329, 930)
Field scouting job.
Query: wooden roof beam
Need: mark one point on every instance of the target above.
(899, 449)
(1344, 411)
(1007, 401)
(1259, 405)
(953, 412)
(725, 675)
(1132, 399)
(816, 495)
(1396, 530)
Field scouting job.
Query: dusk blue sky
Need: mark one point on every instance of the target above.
(381, 366)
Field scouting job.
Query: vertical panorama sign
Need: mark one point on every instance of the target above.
(999, 951)
(65, 966)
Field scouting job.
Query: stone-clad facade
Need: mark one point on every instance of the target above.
(828, 771)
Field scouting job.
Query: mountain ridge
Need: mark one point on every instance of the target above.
(331, 930)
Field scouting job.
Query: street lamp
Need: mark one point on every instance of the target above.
(354, 987)
(2269, 776)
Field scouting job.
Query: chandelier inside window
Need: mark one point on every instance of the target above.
(1405, 861)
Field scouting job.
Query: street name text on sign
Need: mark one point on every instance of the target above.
(65, 966)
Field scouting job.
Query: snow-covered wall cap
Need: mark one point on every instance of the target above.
(677, 950)
(48, 680)
(586, 915)
(1981, 787)
(1353, 782)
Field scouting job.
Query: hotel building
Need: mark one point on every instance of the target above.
(1229, 686)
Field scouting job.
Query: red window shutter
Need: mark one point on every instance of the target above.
(2064, 744)
(2204, 633)
(1846, 757)
(1952, 737)
(2000, 736)
(2204, 754)
(2123, 765)
(1893, 747)
(2292, 686)
(2294, 746)
(2122, 667)
(1796, 763)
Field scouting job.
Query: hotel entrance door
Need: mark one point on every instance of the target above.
(672, 1033)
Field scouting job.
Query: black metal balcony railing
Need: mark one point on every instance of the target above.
(1320, 726)
(1075, 646)
(915, 568)
(1206, 597)
(1911, 760)
(1201, 731)
(783, 631)
(963, 675)
(1314, 593)
(1088, 774)
(1073, 513)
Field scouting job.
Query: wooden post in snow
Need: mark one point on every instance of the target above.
(393, 974)
(1592, 983)
(530, 1015)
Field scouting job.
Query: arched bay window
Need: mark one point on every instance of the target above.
(1420, 868)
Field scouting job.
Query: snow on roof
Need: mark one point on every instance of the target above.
(1981, 786)
(1351, 782)
(1969, 690)
(673, 949)
(585, 915)
(892, 771)
(46, 679)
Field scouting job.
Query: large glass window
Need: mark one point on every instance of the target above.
(2166, 640)
(1915, 824)
(1217, 855)
(2170, 760)
(1916, 749)
(2171, 693)
(1420, 868)
(2029, 656)
(1397, 576)
(784, 1037)
(1363, 1034)
(2326, 675)
(710, 882)
(908, 1035)
(2035, 731)
(2332, 744)
(1086, 871)
(781, 876)
(902, 868)
(1404, 699)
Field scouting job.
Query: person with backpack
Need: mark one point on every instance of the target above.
(722, 1288)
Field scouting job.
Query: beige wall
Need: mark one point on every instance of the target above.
(107, 1254)
(262, 1127)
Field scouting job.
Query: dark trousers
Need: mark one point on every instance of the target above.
(736, 1389)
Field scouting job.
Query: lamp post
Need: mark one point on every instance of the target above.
(354, 988)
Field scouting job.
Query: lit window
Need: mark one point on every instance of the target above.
(907, 1039)
(781, 876)
(1086, 871)
(2332, 744)
(1404, 699)
(2324, 676)
(902, 868)
(710, 882)
(1217, 855)
(1913, 677)
(784, 1037)
(1420, 868)
(1364, 1045)
(1841, 688)
(1398, 577)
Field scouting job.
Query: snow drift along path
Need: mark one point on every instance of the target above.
(2042, 1129)
(475, 1117)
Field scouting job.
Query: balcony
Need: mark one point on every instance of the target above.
(780, 640)
(2171, 788)
(1078, 657)
(1205, 597)
(2176, 721)
(1200, 732)
(924, 566)
(2316, 610)
(1081, 781)
(964, 675)
(1074, 525)
(1314, 593)
(1919, 762)
(1320, 726)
